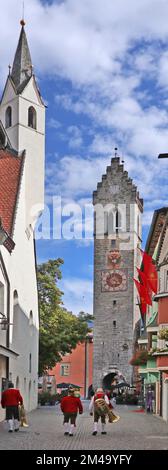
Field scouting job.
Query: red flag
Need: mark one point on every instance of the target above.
(143, 308)
(150, 271)
(143, 293)
(145, 281)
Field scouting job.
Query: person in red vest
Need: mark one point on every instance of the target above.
(93, 408)
(11, 399)
(70, 406)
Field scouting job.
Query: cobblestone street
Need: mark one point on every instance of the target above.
(133, 431)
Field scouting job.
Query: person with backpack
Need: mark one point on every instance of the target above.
(98, 408)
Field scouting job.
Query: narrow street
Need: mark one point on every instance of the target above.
(135, 430)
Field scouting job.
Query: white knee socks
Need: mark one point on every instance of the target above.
(95, 427)
(10, 421)
(71, 429)
(66, 427)
(16, 423)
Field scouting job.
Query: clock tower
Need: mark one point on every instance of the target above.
(117, 237)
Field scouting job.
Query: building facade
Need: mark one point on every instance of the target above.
(22, 140)
(117, 238)
(153, 339)
(77, 368)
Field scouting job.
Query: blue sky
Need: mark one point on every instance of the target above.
(102, 68)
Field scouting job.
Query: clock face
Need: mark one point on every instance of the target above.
(113, 281)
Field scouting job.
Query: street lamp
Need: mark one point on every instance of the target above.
(163, 155)
(4, 322)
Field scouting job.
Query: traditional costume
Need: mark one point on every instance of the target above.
(94, 408)
(11, 399)
(70, 406)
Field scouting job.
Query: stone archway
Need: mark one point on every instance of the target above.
(107, 380)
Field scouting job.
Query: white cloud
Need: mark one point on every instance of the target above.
(74, 176)
(75, 139)
(78, 294)
(109, 51)
(54, 123)
(83, 41)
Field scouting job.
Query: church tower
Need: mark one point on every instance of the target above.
(117, 236)
(22, 113)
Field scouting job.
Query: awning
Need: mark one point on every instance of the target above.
(8, 352)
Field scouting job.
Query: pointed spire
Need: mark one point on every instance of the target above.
(22, 65)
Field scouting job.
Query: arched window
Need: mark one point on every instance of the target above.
(31, 318)
(30, 363)
(15, 297)
(138, 226)
(110, 223)
(32, 118)
(118, 224)
(106, 223)
(8, 117)
(17, 382)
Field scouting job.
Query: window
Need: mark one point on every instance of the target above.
(30, 363)
(112, 224)
(106, 223)
(114, 303)
(138, 226)
(118, 221)
(32, 118)
(113, 244)
(31, 318)
(114, 323)
(8, 117)
(15, 297)
(17, 382)
(64, 369)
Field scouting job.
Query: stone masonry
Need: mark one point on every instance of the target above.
(115, 298)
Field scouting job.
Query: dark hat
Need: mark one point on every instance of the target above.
(10, 385)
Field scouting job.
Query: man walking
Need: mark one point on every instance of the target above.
(93, 408)
(70, 406)
(11, 398)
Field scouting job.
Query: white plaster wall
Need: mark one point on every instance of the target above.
(20, 267)
(20, 264)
